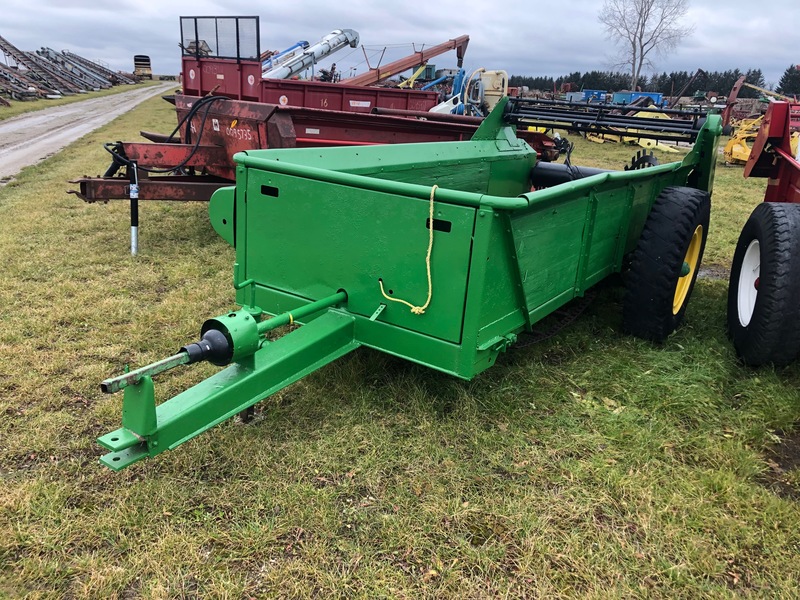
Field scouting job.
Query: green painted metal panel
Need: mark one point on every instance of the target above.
(501, 306)
(220, 213)
(413, 346)
(609, 225)
(548, 242)
(311, 238)
(464, 166)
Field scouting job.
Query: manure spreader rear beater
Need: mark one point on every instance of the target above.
(440, 253)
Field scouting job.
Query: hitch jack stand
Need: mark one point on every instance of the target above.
(134, 196)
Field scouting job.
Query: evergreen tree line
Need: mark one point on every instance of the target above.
(665, 83)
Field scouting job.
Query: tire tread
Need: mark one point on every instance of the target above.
(773, 334)
(657, 260)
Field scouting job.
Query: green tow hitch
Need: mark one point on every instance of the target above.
(258, 368)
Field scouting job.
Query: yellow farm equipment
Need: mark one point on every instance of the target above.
(738, 148)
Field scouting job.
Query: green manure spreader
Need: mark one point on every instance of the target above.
(440, 253)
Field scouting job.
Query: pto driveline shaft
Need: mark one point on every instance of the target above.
(115, 384)
(216, 346)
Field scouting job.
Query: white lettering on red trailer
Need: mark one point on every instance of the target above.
(239, 134)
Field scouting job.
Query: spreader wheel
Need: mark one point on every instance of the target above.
(764, 288)
(665, 263)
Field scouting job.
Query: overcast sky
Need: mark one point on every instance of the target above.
(545, 37)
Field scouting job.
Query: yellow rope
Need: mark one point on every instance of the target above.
(419, 310)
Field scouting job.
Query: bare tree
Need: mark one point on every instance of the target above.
(642, 28)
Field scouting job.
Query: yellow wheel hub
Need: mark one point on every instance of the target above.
(690, 263)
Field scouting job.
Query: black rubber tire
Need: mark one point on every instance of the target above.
(649, 310)
(772, 332)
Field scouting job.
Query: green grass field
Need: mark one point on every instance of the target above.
(590, 465)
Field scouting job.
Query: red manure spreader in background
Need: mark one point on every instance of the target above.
(232, 101)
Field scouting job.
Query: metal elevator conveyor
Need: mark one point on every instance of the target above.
(33, 71)
(50, 73)
(82, 78)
